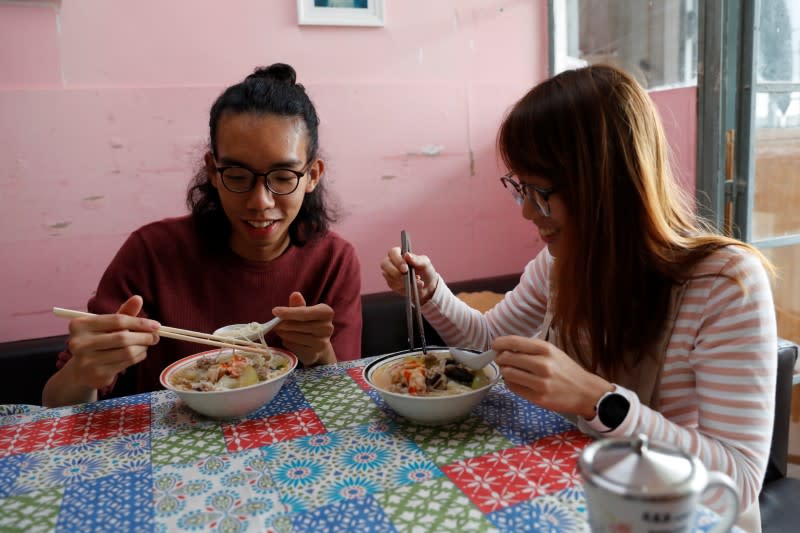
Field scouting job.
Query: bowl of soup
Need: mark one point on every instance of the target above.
(228, 383)
(432, 388)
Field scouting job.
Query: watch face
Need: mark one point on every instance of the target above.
(612, 410)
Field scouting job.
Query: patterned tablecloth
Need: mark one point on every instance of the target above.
(326, 454)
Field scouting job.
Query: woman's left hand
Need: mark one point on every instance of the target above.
(546, 376)
(306, 331)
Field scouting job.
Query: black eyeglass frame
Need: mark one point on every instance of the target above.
(520, 191)
(297, 173)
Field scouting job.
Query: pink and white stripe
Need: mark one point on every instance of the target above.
(718, 383)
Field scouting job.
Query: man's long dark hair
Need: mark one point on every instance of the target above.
(271, 90)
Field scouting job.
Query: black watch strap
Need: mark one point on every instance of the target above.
(612, 409)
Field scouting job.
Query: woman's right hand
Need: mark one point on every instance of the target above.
(102, 346)
(394, 268)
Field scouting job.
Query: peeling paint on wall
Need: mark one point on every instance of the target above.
(429, 150)
(471, 163)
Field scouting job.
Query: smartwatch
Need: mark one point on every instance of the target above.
(612, 408)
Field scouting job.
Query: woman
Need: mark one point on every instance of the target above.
(634, 318)
(256, 245)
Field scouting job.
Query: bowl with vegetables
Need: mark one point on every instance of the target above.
(228, 383)
(432, 388)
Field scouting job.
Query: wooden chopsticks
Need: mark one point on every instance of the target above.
(182, 334)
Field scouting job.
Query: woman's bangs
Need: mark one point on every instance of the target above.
(526, 139)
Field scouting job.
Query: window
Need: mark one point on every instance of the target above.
(655, 41)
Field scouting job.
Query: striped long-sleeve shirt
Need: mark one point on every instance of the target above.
(718, 383)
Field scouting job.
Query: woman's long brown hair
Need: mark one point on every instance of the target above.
(632, 233)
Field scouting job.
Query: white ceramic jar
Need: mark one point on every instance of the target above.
(634, 485)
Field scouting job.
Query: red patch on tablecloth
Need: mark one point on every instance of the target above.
(358, 377)
(74, 429)
(506, 477)
(260, 432)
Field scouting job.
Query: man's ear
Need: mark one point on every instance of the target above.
(315, 172)
(211, 169)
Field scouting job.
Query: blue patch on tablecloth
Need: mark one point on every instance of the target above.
(322, 371)
(9, 472)
(519, 420)
(136, 399)
(539, 515)
(346, 516)
(288, 400)
(705, 520)
(122, 502)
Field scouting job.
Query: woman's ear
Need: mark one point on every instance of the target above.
(211, 169)
(315, 172)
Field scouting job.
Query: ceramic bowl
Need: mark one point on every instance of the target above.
(230, 403)
(430, 410)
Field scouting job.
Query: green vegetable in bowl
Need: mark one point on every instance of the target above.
(480, 380)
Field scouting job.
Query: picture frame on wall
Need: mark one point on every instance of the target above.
(341, 12)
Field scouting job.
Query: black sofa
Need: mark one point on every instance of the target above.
(780, 495)
(29, 363)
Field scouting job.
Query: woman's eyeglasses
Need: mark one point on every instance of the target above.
(279, 181)
(520, 191)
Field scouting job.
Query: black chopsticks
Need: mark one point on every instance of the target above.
(412, 297)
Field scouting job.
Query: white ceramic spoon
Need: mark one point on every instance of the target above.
(247, 331)
(475, 361)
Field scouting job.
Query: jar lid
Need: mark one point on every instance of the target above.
(637, 466)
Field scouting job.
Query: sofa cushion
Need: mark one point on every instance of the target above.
(481, 300)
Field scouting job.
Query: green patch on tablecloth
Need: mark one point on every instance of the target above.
(34, 511)
(435, 505)
(339, 402)
(188, 446)
(471, 437)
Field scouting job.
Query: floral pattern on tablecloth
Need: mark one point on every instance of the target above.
(170, 415)
(327, 454)
(82, 462)
(228, 493)
(19, 413)
(362, 514)
(545, 515)
(347, 464)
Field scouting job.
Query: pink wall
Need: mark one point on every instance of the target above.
(104, 107)
(679, 114)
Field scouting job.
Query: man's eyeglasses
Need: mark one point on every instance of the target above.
(520, 191)
(279, 181)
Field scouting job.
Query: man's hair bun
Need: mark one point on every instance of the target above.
(277, 72)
